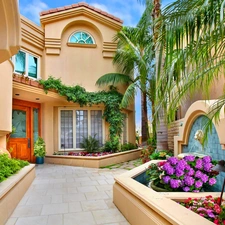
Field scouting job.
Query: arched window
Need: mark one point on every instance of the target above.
(81, 37)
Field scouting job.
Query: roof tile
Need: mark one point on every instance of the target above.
(80, 4)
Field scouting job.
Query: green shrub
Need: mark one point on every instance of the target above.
(39, 147)
(90, 144)
(128, 146)
(160, 155)
(112, 145)
(9, 166)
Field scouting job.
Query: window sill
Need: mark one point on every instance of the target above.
(82, 45)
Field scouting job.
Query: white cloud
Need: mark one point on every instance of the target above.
(32, 10)
(129, 11)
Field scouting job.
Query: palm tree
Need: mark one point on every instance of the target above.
(192, 39)
(135, 56)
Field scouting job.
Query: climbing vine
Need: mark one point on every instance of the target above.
(111, 99)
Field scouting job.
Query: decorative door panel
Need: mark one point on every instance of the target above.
(19, 142)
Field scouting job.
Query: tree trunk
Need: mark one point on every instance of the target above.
(161, 128)
(144, 118)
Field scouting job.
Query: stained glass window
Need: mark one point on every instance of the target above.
(81, 38)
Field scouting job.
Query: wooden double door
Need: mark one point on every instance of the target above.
(26, 120)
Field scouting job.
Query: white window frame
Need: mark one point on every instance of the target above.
(77, 31)
(74, 126)
(27, 64)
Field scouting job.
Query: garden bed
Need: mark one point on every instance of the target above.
(13, 189)
(142, 205)
(94, 162)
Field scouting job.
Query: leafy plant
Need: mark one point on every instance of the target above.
(9, 166)
(39, 148)
(90, 144)
(207, 207)
(189, 174)
(112, 145)
(128, 146)
(111, 99)
(160, 155)
(145, 153)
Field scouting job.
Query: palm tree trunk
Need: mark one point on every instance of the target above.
(161, 128)
(144, 118)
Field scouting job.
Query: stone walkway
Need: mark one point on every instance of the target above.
(64, 195)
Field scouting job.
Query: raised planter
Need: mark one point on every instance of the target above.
(93, 162)
(142, 205)
(13, 189)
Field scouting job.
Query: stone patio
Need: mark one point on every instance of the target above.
(64, 195)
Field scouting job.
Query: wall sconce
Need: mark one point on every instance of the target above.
(220, 167)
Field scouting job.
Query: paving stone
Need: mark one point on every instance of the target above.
(37, 220)
(55, 220)
(27, 210)
(93, 205)
(50, 209)
(81, 218)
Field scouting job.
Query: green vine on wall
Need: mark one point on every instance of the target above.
(111, 99)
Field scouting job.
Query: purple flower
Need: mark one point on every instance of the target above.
(187, 167)
(174, 183)
(173, 160)
(198, 164)
(198, 174)
(207, 167)
(212, 181)
(198, 184)
(191, 172)
(166, 179)
(168, 168)
(186, 189)
(206, 159)
(179, 172)
(190, 158)
(189, 181)
(204, 178)
(181, 164)
(211, 215)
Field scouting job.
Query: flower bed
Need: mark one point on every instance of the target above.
(142, 205)
(13, 189)
(190, 174)
(93, 154)
(207, 207)
(94, 161)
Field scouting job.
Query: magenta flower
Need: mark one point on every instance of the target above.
(191, 172)
(212, 181)
(198, 184)
(206, 159)
(190, 158)
(166, 179)
(179, 172)
(186, 189)
(189, 181)
(173, 160)
(199, 164)
(174, 183)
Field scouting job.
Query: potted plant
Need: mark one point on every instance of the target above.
(190, 174)
(39, 150)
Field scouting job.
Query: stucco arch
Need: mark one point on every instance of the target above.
(83, 22)
(197, 109)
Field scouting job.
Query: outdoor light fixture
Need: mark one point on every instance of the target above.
(220, 167)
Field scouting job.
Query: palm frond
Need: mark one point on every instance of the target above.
(113, 79)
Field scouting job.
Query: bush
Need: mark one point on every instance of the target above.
(9, 166)
(112, 145)
(90, 144)
(128, 146)
(160, 155)
(145, 154)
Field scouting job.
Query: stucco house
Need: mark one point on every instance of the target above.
(73, 43)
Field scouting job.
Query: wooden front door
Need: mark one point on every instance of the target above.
(20, 141)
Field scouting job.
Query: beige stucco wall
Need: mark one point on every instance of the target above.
(72, 64)
(217, 89)
(6, 69)
(77, 64)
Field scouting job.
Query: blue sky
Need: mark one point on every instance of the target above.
(129, 11)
